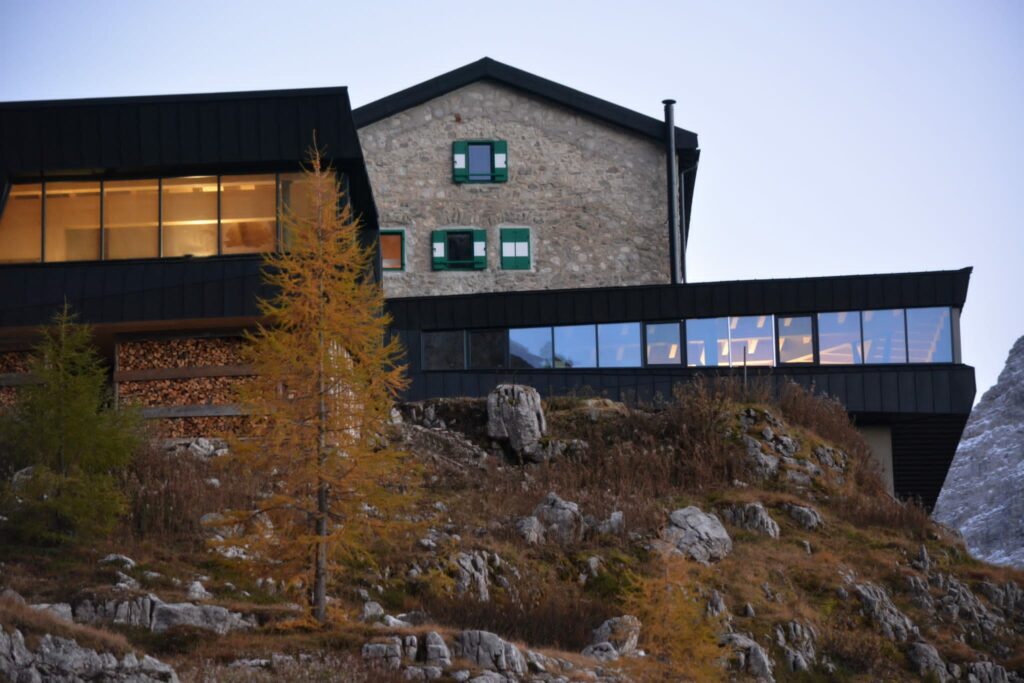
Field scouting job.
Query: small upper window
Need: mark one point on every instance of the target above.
(480, 161)
(392, 249)
(459, 249)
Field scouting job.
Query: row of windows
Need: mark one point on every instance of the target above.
(460, 249)
(147, 218)
(914, 335)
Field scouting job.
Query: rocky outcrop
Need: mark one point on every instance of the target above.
(207, 617)
(488, 651)
(878, 607)
(805, 516)
(697, 535)
(135, 611)
(926, 660)
(621, 633)
(797, 640)
(749, 656)
(981, 496)
(472, 575)
(62, 659)
(561, 520)
(752, 517)
(530, 530)
(515, 418)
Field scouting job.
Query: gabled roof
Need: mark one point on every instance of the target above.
(491, 70)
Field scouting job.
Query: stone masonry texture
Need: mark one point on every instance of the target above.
(592, 195)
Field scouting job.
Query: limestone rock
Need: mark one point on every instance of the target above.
(123, 561)
(561, 519)
(61, 610)
(387, 655)
(697, 535)
(981, 495)
(603, 651)
(490, 652)
(927, 661)
(797, 641)
(436, 650)
(473, 575)
(196, 591)
(530, 529)
(750, 657)
(716, 605)
(766, 466)
(515, 416)
(877, 605)
(622, 632)
(208, 617)
(807, 517)
(615, 524)
(752, 517)
(372, 611)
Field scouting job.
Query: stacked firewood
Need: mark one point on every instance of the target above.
(8, 396)
(193, 427)
(181, 392)
(13, 362)
(179, 353)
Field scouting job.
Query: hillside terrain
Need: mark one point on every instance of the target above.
(981, 496)
(718, 536)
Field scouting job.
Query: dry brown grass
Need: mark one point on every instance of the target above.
(35, 623)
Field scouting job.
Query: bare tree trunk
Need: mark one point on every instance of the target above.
(320, 571)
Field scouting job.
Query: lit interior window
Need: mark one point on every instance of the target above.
(190, 216)
(248, 214)
(21, 231)
(72, 221)
(391, 250)
(131, 218)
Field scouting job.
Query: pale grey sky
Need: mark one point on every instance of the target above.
(836, 138)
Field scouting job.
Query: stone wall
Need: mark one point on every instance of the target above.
(593, 195)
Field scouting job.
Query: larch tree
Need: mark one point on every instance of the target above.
(326, 377)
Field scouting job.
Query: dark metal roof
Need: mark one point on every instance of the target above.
(182, 134)
(491, 70)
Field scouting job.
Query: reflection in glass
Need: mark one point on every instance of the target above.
(131, 215)
(839, 338)
(753, 334)
(480, 161)
(796, 340)
(72, 221)
(618, 345)
(530, 347)
(487, 349)
(885, 339)
(663, 344)
(575, 347)
(707, 342)
(391, 250)
(248, 213)
(296, 201)
(189, 217)
(21, 232)
(929, 335)
(444, 350)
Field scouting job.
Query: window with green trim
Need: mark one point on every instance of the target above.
(480, 161)
(392, 249)
(515, 248)
(458, 249)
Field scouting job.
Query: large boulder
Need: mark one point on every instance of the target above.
(750, 657)
(561, 519)
(515, 417)
(436, 652)
(472, 575)
(490, 652)
(697, 535)
(622, 632)
(208, 617)
(928, 663)
(879, 608)
(807, 517)
(752, 517)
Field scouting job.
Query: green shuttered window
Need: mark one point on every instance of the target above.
(515, 248)
(480, 161)
(458, 249)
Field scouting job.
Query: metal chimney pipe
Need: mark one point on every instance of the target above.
(672, 171)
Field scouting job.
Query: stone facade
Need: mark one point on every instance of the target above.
(592, 195)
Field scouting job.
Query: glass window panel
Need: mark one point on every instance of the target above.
(796, 340)
(839, 338)
(618, 345)
(707, 342)
(487, 349)
(530, 347)
(885, 339)
(479, 162)
(248, 213)
(21, 232)
(575, 346)
(72, 221)
(663, 346)
(189, 216)
(131, 215)
(444, 350)
(460, 247)
(929, 337)
(296, 201)
(756, 335)
(391, 250)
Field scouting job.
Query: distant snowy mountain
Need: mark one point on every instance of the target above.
(983, 495)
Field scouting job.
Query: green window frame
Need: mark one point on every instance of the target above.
(445, 243)
(515, 249)
(401, 236)
(498, 172)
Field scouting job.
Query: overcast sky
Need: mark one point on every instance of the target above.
(836, 138)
